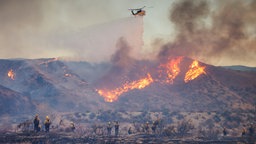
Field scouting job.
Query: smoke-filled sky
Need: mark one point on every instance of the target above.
(213, 31)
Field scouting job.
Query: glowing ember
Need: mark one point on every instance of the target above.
(194, 71)
(112, 95)
(68, 75)
(11, 74)
(172, 69)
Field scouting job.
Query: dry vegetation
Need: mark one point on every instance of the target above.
(170, 126)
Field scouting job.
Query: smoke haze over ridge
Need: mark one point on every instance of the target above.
(215, 32)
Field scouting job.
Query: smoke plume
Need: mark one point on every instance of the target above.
(213, 35)
(121, 63)
(81, 29)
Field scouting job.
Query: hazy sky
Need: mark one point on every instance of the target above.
(215, 32)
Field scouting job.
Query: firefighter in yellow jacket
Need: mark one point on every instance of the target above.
(47, 124)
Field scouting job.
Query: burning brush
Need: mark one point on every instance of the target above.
(167, 73)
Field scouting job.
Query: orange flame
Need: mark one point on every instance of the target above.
(194, 71)
(167, 72)
(172, 69)
(112, 95)
(11, 74)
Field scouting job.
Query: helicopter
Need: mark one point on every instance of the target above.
(138, 11)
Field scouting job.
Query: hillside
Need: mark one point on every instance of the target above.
(241, 68)
(49, 82)
(75, 86)
(13, 103)
(217, 90)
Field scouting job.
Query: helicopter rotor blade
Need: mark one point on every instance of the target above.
(143, 7)
(138, 8)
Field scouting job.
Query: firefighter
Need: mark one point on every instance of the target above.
(130, 130)
(251, 130)
(224, 131)
(243, 132)
(147, 127)
(116, 128)
(153, 127)
(109, 128)
(72, 126)
(47, 124)
(36, 123)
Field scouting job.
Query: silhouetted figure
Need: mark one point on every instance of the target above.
(155, 123)
(251, 130)
(153, 128)
(47, 124)
(36, 123)
(147, 127)
(130, 130)
(61, 122)
(109, 128)
(116, 128)
(224, 131)
(243, 132)
(72, 126)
